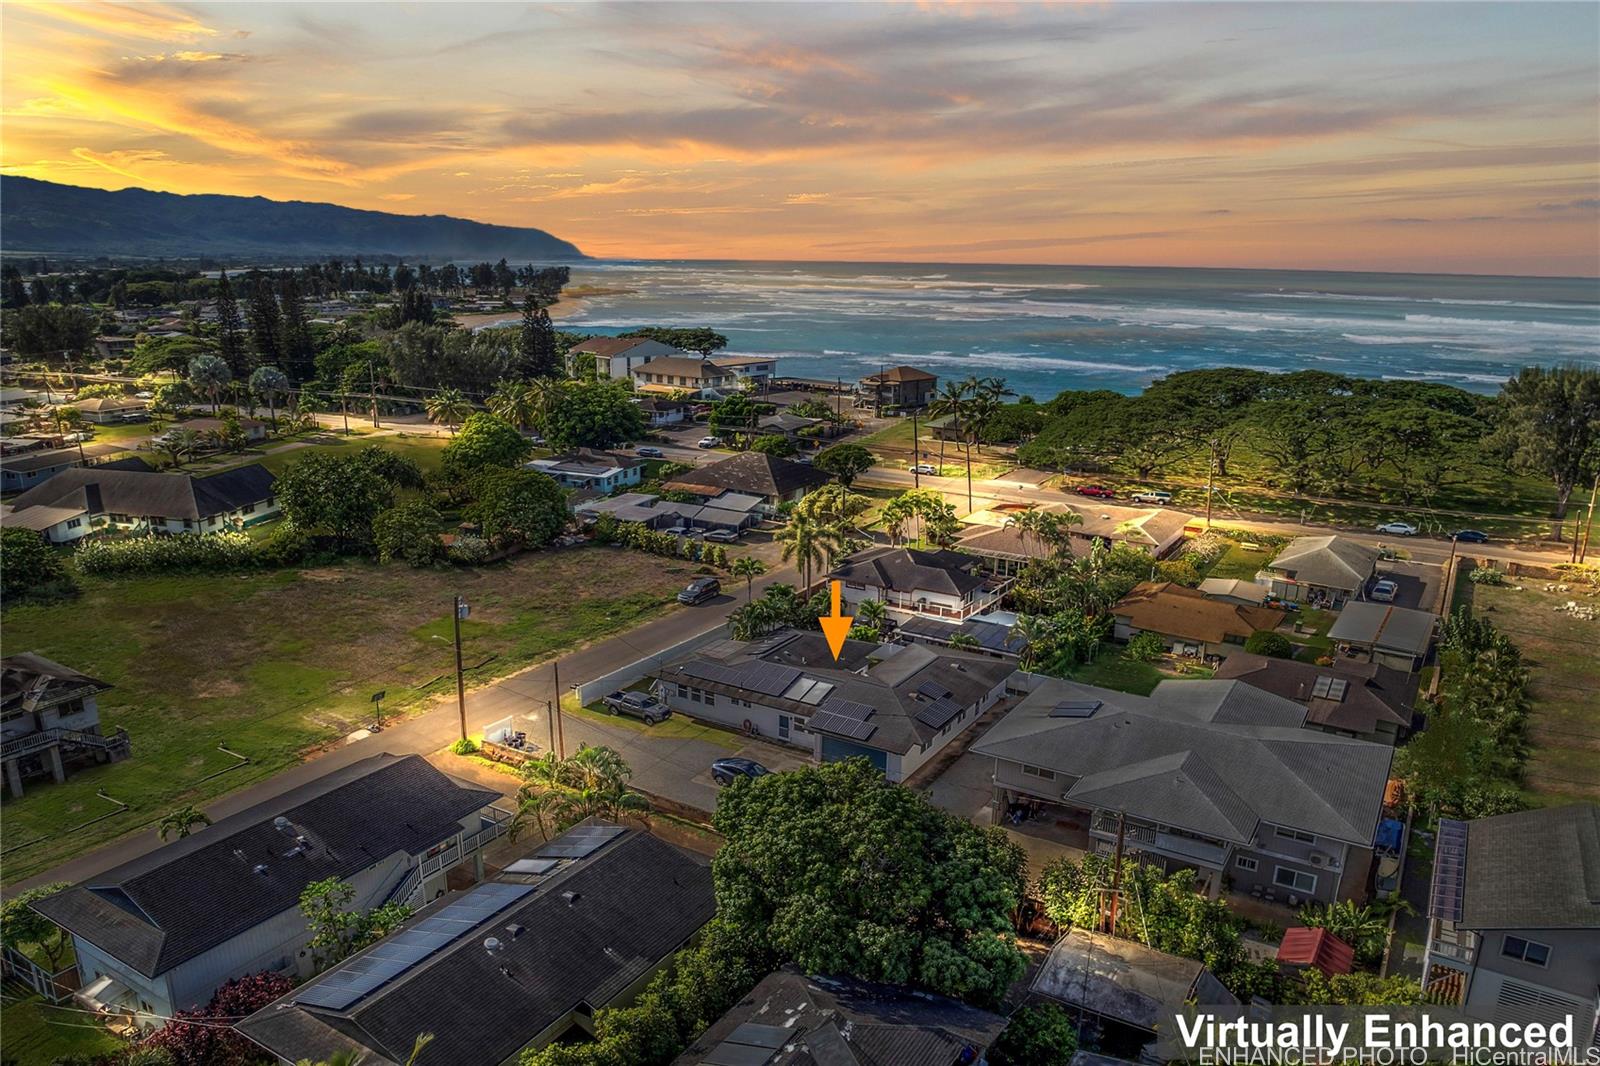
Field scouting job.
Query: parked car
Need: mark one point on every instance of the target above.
(802, 458)
(75, 438)
(1155, 496)
(1470, 536)
(1384, 591)
(1399, 529)
(723, 771)
(146, 395)
(723, 536)
(699, 591)
(708, 442)
(1099, 492)
(681, 531)
(640, 705)
(925, 468)
(648, 452)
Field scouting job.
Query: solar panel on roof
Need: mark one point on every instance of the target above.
(853, 728)
(532, 866)
(933, 690)
(759, 1035)
(1336, 690)
(850, 709)
(937, 714)
(728, 1053)
(1075, 708)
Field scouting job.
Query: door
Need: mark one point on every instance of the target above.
(783, 727)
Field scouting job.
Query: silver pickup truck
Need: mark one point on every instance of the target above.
(639, 705)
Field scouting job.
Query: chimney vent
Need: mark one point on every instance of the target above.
(571, 898)
(492, 945)
(281, 824)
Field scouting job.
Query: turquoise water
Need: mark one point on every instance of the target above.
(1051, 328)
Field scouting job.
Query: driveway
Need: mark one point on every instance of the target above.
(1418, 583)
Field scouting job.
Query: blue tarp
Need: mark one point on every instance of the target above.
(1389, 833)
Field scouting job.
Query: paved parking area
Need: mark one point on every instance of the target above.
(1419, 583)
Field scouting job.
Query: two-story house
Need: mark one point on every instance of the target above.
(1365, 700)
(952, 586)
(616, 357)
(50, 719)
(899, 386)
(160, 933)
(692, 374)
(1214, 776)
(771, 480)
(896, 705)
(1514, 918)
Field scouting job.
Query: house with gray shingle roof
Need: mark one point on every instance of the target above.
(1214, 776)
(946, 585)
(96, 499)
(1514, 917)
(1331, 568)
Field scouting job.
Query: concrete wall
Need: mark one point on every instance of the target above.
(589, 691)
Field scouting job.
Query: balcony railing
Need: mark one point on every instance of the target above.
(1153, 838)
(49, 738)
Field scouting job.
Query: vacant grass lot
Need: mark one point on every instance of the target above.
(270, 664)
(1564, 681)
(37, 1033)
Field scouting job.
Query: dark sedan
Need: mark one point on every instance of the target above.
(723, 771)
(1470, 536)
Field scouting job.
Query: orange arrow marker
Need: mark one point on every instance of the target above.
(836, 626)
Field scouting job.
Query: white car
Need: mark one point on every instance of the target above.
(708, 442)
(925, 468)
(1155, 496)
(1384, 591)
(722, 536)
(144, 395)
(1398, 529)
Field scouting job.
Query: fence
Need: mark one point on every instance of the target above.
(590, 691)
(56, 987)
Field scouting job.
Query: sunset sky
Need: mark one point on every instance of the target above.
(1431, 137)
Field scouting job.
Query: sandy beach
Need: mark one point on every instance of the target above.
(561, 308)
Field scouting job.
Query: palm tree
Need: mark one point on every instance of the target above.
(872, 614)
(548, 393)
(1056, 529)
(209, 376)
(1038, 636)
(950, 401)
(964, 640)
(270, 382)
(180, 444)
(808, 543)
(749, 568)
(450, 407)
(178, 822)
(515, 402)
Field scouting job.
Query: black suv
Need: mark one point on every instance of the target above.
(700, 590)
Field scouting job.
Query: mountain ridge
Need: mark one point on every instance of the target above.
(46, 217)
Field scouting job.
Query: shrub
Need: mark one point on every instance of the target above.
(1146, 648)
(469, 551)
(1486, 575)
(1268, 643)
(30, 567)
(1179, 572)
(464, 746)
(184, 552)
(286, 545)
(1041, 1035)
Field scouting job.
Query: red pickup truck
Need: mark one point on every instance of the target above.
(1099, 492)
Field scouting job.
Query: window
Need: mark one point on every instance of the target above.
(1294, 834)
(783, 727)
(74, 523)
(248, 508)
(187, 524)
(1529, 951)
(1039, 772)
(683, 692)
(711, 699)
(1245, 862)
(1298, 880)
(211, 521)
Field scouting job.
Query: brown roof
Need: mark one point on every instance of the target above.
(109, 403)
(683, 367)
(901, 373)
(201, 425)
(1010, 542)
(1176, 611)
(606, 347)
(1371, 694)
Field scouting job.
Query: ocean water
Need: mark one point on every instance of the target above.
(1046, 329)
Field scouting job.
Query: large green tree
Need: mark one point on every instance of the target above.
(842, 872)
(22, 927)
(230, 325)
(685, 338)
(50, 330)
(1549, 425)
(536, 342)
(485, 441)
(598, 414)
(845, 462)
(336, 494)
(520, 507)
(29, 566)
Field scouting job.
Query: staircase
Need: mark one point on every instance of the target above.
(116, 745)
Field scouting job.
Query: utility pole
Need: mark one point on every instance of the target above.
(372, 392)
(877, 393)
(1211, 477)
(916, 456)
(458, 612)
(1116, 875)
(838, 399)
(561, 736)
(1588, 526)
(344, 409)
(550, 709)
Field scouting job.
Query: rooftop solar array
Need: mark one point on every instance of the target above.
(365, 974)
(1075, 708)
(532, 866)
(933, 690)
(1449, 871)
(937, 715)
(1330, 688)
(579, 843)
(748, 1045)
(808, 690)
(828, 722)
(849, 708)
(769, 679)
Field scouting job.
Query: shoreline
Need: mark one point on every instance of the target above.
(565, 304)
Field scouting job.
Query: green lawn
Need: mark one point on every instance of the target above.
(1112, 669)
(678, 727)
(1564, 683)
(271, 664)
(276, 455)
(1240, 563)
(37, 1034)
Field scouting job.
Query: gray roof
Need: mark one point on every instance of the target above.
(1536, 869)
(29, 681)
(909, 570)
(27, 462)
(790, 1019)
(892, 692)
(1370, 694)
(756, 473)
(590, 928)
(99, 490)
(1123, 980)
(164, 908)
(1331, 561)
(1212, 757)
(1385, 627)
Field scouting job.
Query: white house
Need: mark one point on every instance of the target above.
(952, 586)
(596, 470)
(616, 357)
(896, 705)
(85, 500)
(161, 932)
(50, 717)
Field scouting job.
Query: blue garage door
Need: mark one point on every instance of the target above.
(834, 750)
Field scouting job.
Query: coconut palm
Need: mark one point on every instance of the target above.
(180, 444)
(269, 383)
(951, 402)
(548, 394)
(1038, 639)
(749, 568)
(872, 613)
(178, 823)
(450, 407)
(808, 543)
(964, 640)
(514, 402)
(209, 376)
(1056, 529)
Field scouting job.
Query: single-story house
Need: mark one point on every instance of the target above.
(895, 704)
(50, 717)
(1008, 548)
(1326, 570)
(1234, 590)
(161, 932)
(770, 479)
(108, 346)
(1382, 633)
(31, 469)
(24, 445)
(796, 428)
(693, 374)
(254, 428)
(910, 583)
(1366, 700)
(1125, 984)
(104, 410)
(95, 499)
(616, 357)
(900, 386)
(731, 511)
(1213, 776)
(509, 966)
(659, 411)
(590, 469)
(1514, 918)
(792, 1018)
(1188, 621)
